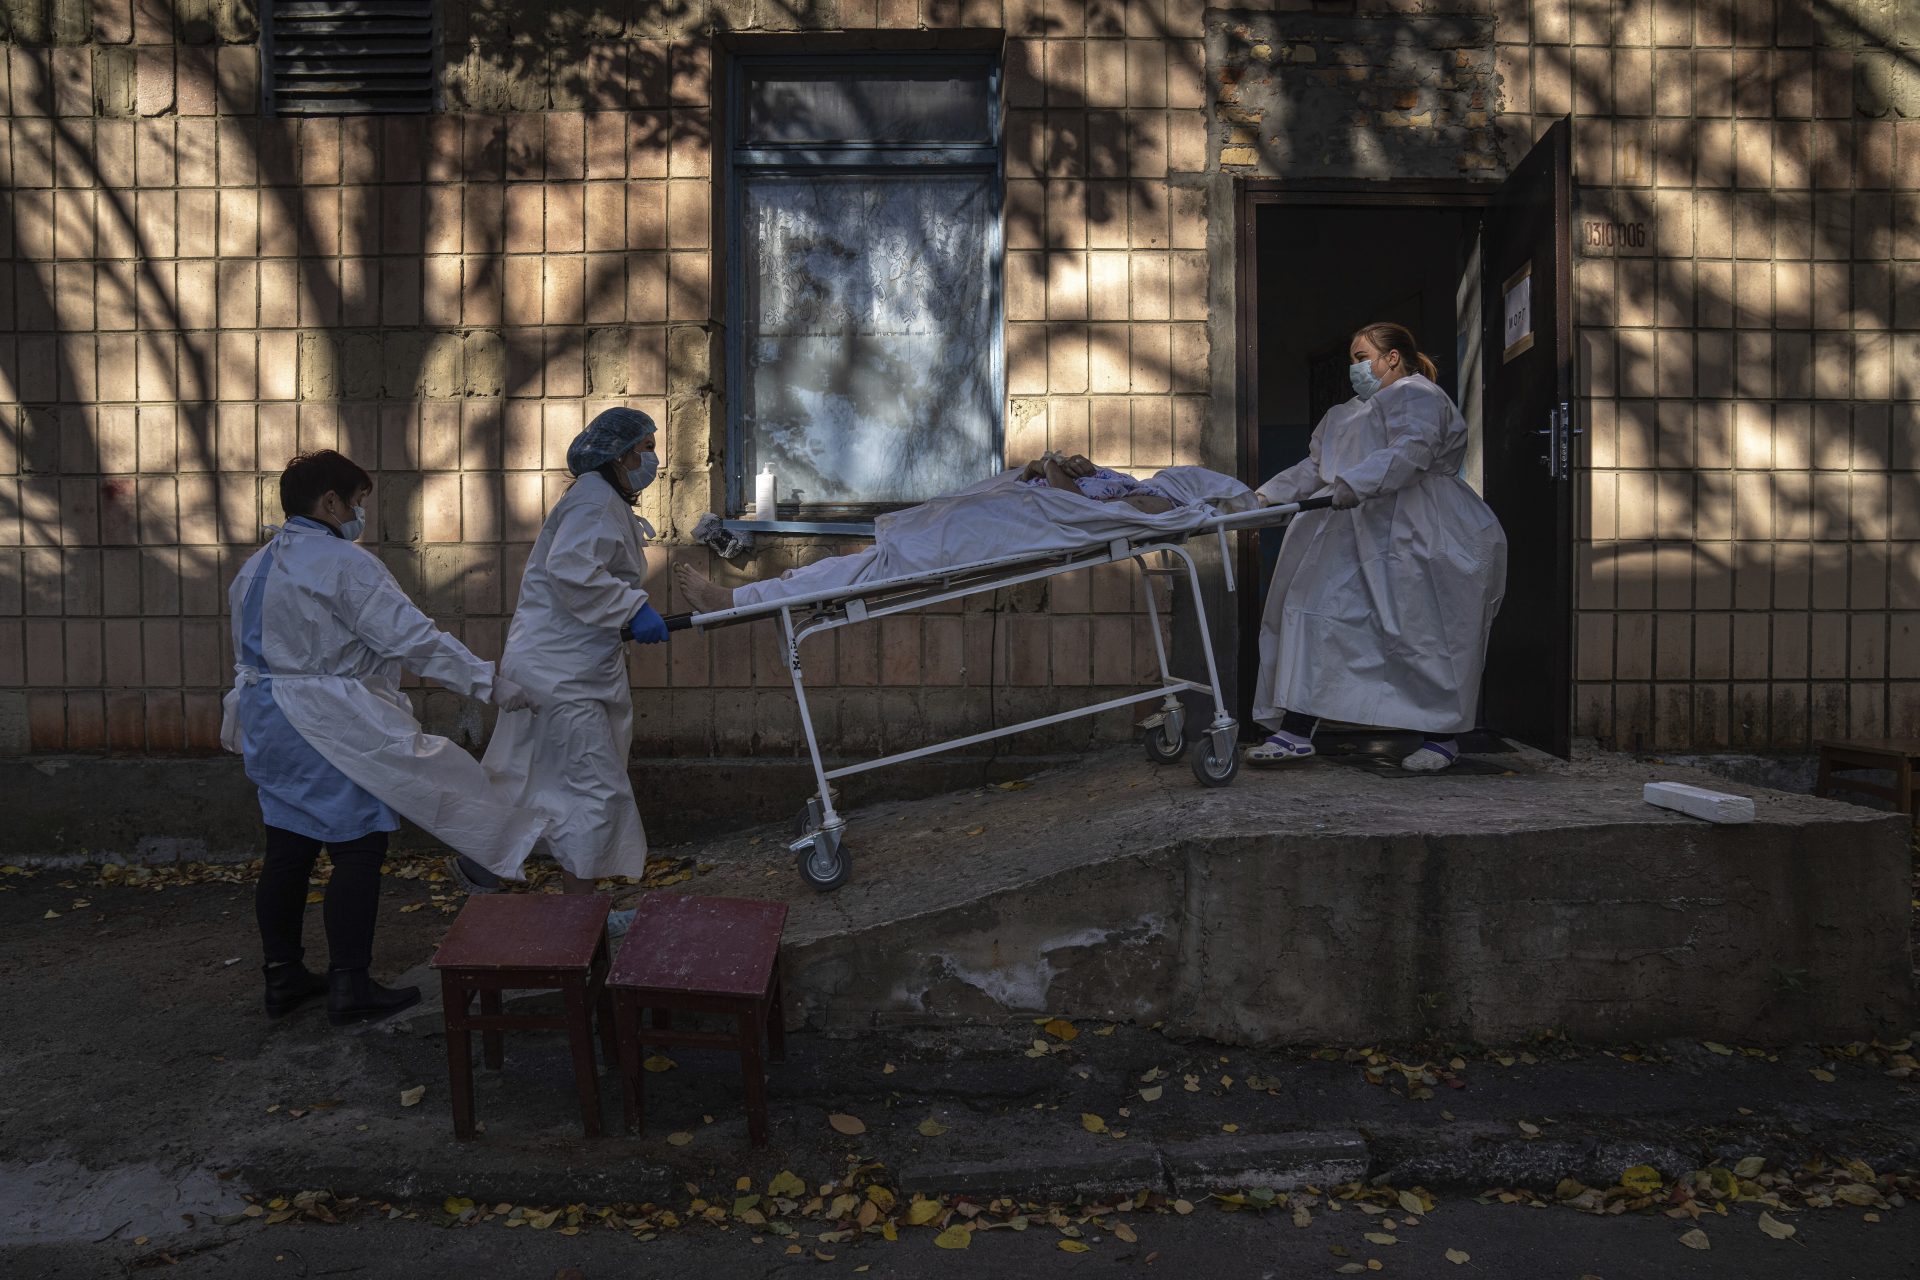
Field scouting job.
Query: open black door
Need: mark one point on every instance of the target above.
(1527, 352)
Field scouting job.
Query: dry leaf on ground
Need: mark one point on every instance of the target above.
(411, 1097)
(1774, 1227)
(1696, 1239)
(852, 1126)
(1458, 1256)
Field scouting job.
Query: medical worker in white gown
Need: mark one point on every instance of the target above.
(1380, 607)
(582, 598)
(321, 634)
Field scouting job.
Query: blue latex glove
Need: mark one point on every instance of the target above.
(646, 627)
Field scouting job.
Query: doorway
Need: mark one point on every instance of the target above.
(1479, 273)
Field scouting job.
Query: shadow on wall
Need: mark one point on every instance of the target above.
(379, 278)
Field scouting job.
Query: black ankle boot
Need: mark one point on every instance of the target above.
(353, 996)
(289, 986)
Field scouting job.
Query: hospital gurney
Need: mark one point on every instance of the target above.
(820, 848)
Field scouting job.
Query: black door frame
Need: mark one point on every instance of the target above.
(1250, 194)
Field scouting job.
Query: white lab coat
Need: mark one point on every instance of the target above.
(582, 584)
(336, 632)
(1379, 615)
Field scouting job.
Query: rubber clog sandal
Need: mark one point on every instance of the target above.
(1279, 750)
(1432, 757)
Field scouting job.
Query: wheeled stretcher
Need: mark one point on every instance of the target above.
(820, 846)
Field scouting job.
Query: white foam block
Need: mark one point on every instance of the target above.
(1714, 806)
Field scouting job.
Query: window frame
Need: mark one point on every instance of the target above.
(850, 159)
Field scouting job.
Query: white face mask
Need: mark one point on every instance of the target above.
(352, 529)
(641, 476)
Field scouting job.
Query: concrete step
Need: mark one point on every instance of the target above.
(1326, 903)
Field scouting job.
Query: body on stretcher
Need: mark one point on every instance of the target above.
(822, 856)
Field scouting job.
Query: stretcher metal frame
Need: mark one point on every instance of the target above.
(820, 848)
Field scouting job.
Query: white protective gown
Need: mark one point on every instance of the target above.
(582, 584)
(1379, 615)
(335, 633)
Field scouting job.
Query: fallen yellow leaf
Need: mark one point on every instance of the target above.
(881, 1198)
(1774, 1227)
(931, 1128)
(972, 831)
(849, 1125)
(1821, 1074)
(1301, 1218)
(1380, 1237)
(456, 1205)
(1641, 1179)
(1720, 1049)
(1124, 1233)
(1152, 1093)
(1092, 1123)
(1183, 1206)
(1061, 1029)
(680, 1139)
(955, 1237)
(1073, 1246)
(1411, 1202)
(1696, 1239)
(1458, 1256)
(1750, 1167)
(659, 1062)
(921, 1212)
(1229, 1128)
(786, 1183)
(411, 1097)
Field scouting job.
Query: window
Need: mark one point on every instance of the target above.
(864, 359)
(348, 57)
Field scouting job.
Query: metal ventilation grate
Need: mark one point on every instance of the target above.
(340, 57)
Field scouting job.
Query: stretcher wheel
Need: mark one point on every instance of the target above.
(825, 864)
(1208, 768)
(1165, 742)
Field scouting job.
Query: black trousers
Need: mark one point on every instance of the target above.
(352, 903)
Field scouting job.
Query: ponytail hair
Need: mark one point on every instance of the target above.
(1387, 336)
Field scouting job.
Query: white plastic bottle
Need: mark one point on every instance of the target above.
(765, 494)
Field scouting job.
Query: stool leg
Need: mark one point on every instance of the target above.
(776, 1021)
(580, 1038)
(492, 1043)
(609, 1034)
(455, 1000)
(626, 1017)
(753, 1068)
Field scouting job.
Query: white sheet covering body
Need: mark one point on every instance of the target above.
(1001, 517)
(1379, 615)
(336, 632)
(584, 580)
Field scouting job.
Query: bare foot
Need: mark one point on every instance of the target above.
(701, 595)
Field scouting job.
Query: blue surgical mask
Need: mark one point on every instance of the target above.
(1365, 383)
(352, 529)
(641, 476)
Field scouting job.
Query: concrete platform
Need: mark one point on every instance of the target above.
(1327, 902)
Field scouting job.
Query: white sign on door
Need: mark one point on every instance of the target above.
(1518, 309)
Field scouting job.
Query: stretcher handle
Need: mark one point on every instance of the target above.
(1320, 503)
(678, 621)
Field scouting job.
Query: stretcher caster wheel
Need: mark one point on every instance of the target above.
(1208, 768)
(825, 864)
(1165, 742)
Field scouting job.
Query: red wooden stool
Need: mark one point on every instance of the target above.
(525, 942)
(701, 955)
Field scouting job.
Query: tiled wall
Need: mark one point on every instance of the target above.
(195, 293)
(1749, 565)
